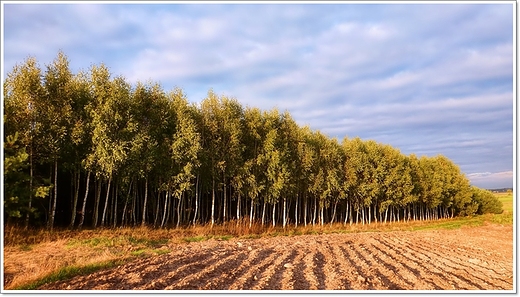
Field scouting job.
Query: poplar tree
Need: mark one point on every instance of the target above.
(56, 115)
(23, 92)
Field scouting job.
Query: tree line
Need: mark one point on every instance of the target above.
(91, 149)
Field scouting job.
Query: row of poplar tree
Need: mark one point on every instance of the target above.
(91, 149)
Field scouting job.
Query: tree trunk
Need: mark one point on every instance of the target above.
(82, 218)
(213, 203)
(95, 217)
(263, 212)
(53, 211)
(165, 211)
(106, 201)
(196, 201)
(296, 212)
(124, 218)
(274, 221)
(30, 187)
(225, 201)
(322, 218)
(134, 206)
(304, 209)
(116, 187)
(156, 219)
(314, 212)
(238, 208)
(284, 211)
(346, 213)
(179, 210)
(251, 213)
(75, 201)
(143, 219)
(334, 213)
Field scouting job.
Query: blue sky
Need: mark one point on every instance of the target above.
(425, 78)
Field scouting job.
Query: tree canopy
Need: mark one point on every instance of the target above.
(138, 155)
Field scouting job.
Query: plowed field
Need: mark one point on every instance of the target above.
(464, 259)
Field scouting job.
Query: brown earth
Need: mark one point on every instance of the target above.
(464, 259)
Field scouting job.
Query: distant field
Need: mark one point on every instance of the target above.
(507, 201)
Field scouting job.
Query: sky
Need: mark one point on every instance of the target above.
(426, 78)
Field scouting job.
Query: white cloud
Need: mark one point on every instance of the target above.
(426, 78)
(491, 180)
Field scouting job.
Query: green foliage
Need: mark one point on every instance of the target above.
(485, 201)
(16, 179)
(144, 146)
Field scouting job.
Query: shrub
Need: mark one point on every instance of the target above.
(487, 202)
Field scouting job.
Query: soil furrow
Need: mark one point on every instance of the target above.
(181, 268)
(397, 279)
(224, 281)
(273, 268)
(250, 276)
(291, 278)
(475, 260)
(429, 273)
(276, 280)
(299, 278)
(401, 265)
(458, 281)
(456, 265)
(226, 272)
(308, 272)
(380, 277)
(359, 275)
(191, 281)
(330, 269)
(343, 269)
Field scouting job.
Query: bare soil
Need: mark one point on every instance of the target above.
(464, 259)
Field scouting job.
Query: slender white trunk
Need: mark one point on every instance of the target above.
(143, 219)
(274, 207)
(305, 210)
(251, 214)
(284, 210)
(179, 210)
(124, 219)
(196, 200)
(75, 202)
(165, 210)
(30, 187)
(296, 212)
(82, 218)
(106, 202)
(346, 213)
(53, 211)
(213, 203)
(314, 214)
(321, 215)
(225, 201)
(96, 204)
(238, 209)
(263, 212)
(115, 203)
(334, 213)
